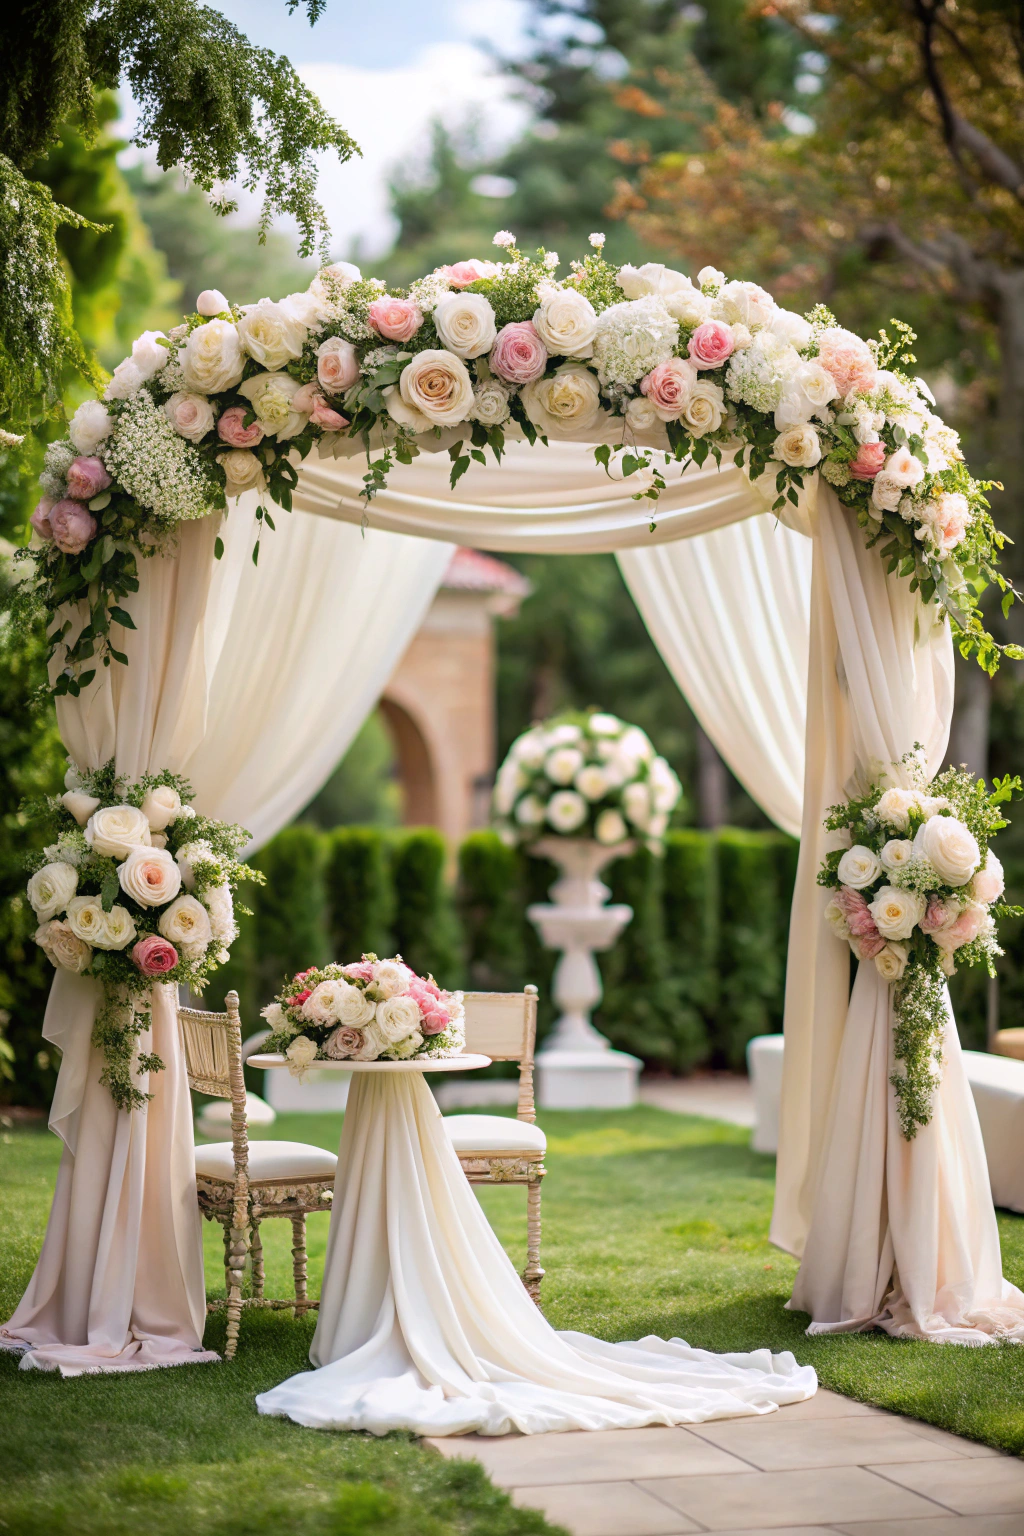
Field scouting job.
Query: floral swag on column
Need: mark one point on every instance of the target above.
(235, 397)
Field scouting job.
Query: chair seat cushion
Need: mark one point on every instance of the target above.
(494, 1133)
(267, 1160)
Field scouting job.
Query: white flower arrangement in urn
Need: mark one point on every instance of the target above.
(584, 775)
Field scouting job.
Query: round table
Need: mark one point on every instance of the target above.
(464, 1063)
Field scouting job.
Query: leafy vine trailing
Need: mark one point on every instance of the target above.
(917, 891)
(661, 372)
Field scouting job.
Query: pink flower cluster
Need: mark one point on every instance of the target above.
(396, 319)
(854, 907)
(428, 998)
(462, 273)
(848, 359)
(69, 524)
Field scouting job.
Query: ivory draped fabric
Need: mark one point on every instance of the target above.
(425, 1326)
(251, 681)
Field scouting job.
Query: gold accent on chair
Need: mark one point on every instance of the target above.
(238, 1184)
(503, 1025)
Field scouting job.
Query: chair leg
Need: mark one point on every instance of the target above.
(299, 1262)
(256, 1252)
(533, 1274)
(236, 1270)
(227, 1256)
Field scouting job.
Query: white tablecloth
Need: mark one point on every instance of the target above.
(425, 1325)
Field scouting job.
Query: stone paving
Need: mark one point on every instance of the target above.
(827, 1467)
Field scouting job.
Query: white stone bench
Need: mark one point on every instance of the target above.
(997, 1083)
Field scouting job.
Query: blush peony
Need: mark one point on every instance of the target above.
(231, 428)
(72, 526)
(847, 359)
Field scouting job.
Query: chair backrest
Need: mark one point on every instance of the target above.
(503, 1025)
(213, 1062)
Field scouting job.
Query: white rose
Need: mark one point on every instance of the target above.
(118, 929)
(330, 282)
(271, 334)
(564, 735)
(886, 493)
(859, 867)
(465, 323)
(592, 782)
(91, 425)
(904, 469)
(530, 749)
(355, 1009)
(190, 854)
(306, 308)
(657, 825)
(895, 806)
(806, 393)
(161, 806)
(390, 977)
(274, 1015)
(744, 304)
(407, 415)
(665, 786)
(490, 404)
(635, 745)
(212, 359)
(636, 799)
(212, 302)
(337, 365)
(566, 323)
(891, 962)
(530, 811)
(62, 947)
(949, 847)
(571, 400)
(689, 306)
(186, 923)
(190, 415)
(563, 764)
(790, 328)
(373, 1044)
(86, 919)
(610, 828)
(989, 882)
(271, 395)
(242, 471)
(704, 411)
(798, 446)
(897, 853)
(652, 277)
(438, 385)
(897, 913)
(149, 876)
(836, 919)
(50, 889)
(80, 805)
(566, 810)
(322, 1004)
(125, 381)
(641, 415)
(301, 1055)
(397, 1017)
(403, 1049)
(602, 724)
(116, 829)
(150, 353)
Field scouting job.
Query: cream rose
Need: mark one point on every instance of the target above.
(799, 446)
(161, 806)
(438, 385)
(323, 1003)
(563, 764)
(272, 396)
(50, 889)
(355, 1009)
(566, 323)
(592, 782)
(704, 411)
(86, 919)
(571, 400)
(80, 805)
(118, 930)
(401, 1050)
(116, 829)
(891, 961)
(406, 415)
(212, 359)
(372, 1046)
(609, 828)
(641, 415)
(897, 913)
(465, 323)
(271, 334)
(150, 876)
(836, 919)
(62, 947)
(950, 848)
(859, 867)
(490, 404)
(186, 924)
(886, 492)
(989, 882)
(301, 1055)
(566, 810)
(897, 853)
(895, 806)
(242, 471)
(397, 1017)
(390, 977)
(636, 798)
(190, 415)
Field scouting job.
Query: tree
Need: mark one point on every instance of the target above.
(210, 102)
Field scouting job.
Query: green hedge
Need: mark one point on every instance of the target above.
(360, 892)
(426, 931)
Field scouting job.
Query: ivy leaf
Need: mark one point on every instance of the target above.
(218, 549)
(109, 890)
(120, 616)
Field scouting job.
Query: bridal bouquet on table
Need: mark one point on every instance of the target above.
(372, 1010)
(585, 776)
(135, 888)
(917, 891)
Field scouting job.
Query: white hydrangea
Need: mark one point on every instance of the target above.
(632, 338)
(161, 470)
(56, 463)
(758, 375)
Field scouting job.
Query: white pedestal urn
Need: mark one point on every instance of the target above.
(576, 1066)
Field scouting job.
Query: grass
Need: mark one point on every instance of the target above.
(654, 1223)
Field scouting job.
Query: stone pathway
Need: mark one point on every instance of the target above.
(715, 1095)
(827, 1467)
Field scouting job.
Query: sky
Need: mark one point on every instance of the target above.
(385, 69)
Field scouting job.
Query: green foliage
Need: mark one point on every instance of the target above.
(291, 910)
(360, 895)
(425, 930)
(491, 908)
(690, 899)
(751, 963)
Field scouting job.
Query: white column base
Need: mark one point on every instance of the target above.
(587, 1079)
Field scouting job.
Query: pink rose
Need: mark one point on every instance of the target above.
(337, 364)
(668, 387)
(937, 916)
(73, 525)
(949, 517)
(40, 518)
(86, 479)
(869, 460)
(301, 975)
(711, 343)
(518, 354)
(397, 319)
(964, 930)
(433, 1020)
(359, 970)
(343, 1043)
(154, 956)
(231, 428)
(460, 275)
(847, 359)
(299, 998)
(310, 399)
(869, 946)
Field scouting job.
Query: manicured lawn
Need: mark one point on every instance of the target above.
(654, 1223)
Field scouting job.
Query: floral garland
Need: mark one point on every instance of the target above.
(236, 396)
(135, 888)
(584, 775)
(917, 890)
(371, 1010)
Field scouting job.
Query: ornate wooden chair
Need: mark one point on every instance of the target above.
(492, 1148)
(240, 1184)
